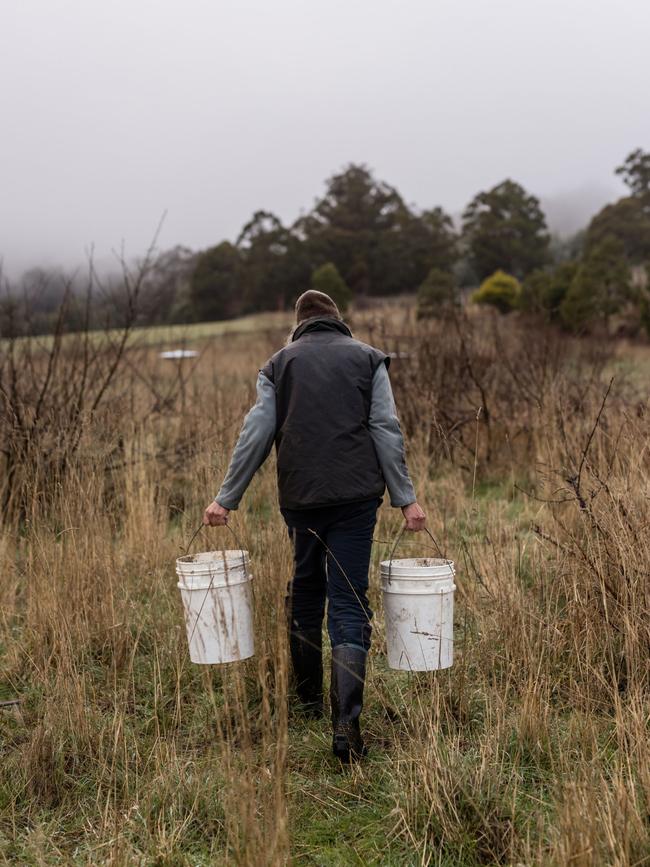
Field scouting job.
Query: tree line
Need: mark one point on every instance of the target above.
(362, 240)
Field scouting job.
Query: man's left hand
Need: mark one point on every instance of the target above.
(215, 515)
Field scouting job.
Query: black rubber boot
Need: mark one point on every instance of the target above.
(346, 695)
(307, 661)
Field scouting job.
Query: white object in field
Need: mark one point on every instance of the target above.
(419, 613)
(217, 597)
(179, 353)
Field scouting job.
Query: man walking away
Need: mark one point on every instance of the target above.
(326, 402)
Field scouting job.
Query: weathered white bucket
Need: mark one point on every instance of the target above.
(419, 613)
(217, 596)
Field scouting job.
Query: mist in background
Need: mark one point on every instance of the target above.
(115, 113)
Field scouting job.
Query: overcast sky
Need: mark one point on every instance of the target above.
(114, 112)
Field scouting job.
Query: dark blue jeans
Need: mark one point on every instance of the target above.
(332, 565)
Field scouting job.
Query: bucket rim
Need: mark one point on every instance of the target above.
(419, 563)
(219, 558)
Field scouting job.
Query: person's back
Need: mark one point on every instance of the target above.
(325, 401)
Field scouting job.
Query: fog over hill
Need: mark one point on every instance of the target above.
(568, 212)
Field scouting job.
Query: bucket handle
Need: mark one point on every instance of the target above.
(228, 527)
(399, 539)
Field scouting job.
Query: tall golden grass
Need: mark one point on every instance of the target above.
(532, 749)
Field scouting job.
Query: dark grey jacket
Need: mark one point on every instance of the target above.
(323, 391)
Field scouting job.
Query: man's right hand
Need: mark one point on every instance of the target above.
(414, 517)
(215, 515)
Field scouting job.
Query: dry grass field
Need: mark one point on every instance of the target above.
(533, 749)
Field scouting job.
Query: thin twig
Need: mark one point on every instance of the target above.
(575, 482)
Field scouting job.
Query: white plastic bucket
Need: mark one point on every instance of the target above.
(217, 597)
(419, 613)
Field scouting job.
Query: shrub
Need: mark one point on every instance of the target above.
(328, 280)
(436, 294)
(501, 290)
(544, 291)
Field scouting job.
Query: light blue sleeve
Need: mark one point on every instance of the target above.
(253, 445)
(388, 440)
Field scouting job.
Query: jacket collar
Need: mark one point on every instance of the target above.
(321, 323)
